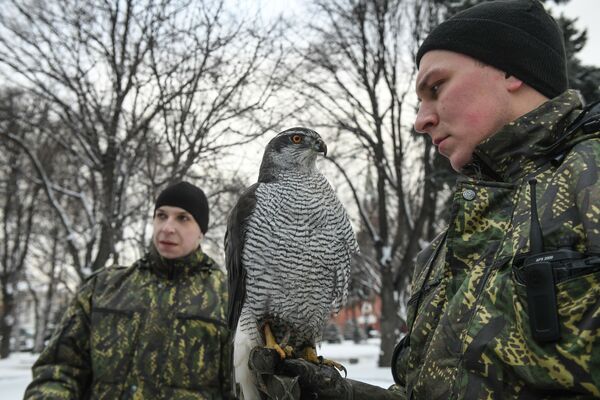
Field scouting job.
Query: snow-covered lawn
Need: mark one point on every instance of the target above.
(15, 374)
(359, 359)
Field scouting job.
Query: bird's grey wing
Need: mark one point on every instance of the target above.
(345, 248)
(341, 272)
(234, 245)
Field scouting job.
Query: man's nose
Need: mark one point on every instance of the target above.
(426, 119)
(168, 226)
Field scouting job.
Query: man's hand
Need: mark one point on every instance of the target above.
(282, 379)
(298, 379)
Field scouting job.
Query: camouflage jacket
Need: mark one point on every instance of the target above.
(155, 330)
(470, 337)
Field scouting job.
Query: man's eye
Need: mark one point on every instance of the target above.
(184, 218)
(435, 88)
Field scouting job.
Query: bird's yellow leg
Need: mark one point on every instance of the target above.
(270, 342)
(310, 354)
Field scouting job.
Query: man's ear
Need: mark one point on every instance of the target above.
(513, 83)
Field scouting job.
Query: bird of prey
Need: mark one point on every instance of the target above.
(288, 248)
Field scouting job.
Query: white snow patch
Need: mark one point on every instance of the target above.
(15, 375)
(9, 320)
(386, 255)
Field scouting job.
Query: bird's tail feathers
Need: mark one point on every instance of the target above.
(242, 344)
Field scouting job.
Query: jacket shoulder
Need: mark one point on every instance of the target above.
(109, 276)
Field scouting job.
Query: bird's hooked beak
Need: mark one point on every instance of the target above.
(321, 147)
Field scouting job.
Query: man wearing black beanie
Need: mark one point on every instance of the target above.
(188, 197)
(153, 330)
(517, 37)
(499, 308)
(522, 49)
(504, 303)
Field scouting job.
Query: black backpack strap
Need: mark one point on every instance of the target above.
(588, 121)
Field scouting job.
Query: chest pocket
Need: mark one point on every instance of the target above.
(195, 356)
(113, 337)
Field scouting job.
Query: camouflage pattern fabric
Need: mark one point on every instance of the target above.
(471, 337)
(155, 330)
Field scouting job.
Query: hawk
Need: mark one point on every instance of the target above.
(288, 248)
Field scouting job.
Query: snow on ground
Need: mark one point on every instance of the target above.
(359, 359)
(15, 374)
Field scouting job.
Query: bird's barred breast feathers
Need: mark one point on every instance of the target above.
(297, 253)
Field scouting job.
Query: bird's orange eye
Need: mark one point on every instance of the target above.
(297, 139)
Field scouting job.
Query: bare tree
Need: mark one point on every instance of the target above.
(357, 73)
(138, 91)
(45, 277)
(18, 208)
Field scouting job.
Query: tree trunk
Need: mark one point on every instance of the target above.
(46, 310)
(6, 323)
(390, 322)
(41, 320)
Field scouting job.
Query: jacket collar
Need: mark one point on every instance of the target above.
(522, 146)
(175, 268)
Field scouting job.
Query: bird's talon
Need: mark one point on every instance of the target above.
(280, 351)
(335, 365)
(289, 351)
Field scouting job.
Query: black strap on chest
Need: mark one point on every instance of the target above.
(588, 121)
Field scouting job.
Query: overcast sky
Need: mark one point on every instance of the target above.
(588, 14)
(587, 11)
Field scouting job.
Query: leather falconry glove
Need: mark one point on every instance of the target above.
(298, 379)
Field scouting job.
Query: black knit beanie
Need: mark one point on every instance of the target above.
(516, 36)
(189, 197)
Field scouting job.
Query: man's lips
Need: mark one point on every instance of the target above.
(165, 243)
(437, 141)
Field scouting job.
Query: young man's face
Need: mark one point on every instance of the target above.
(176, 233)
(463, 102)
